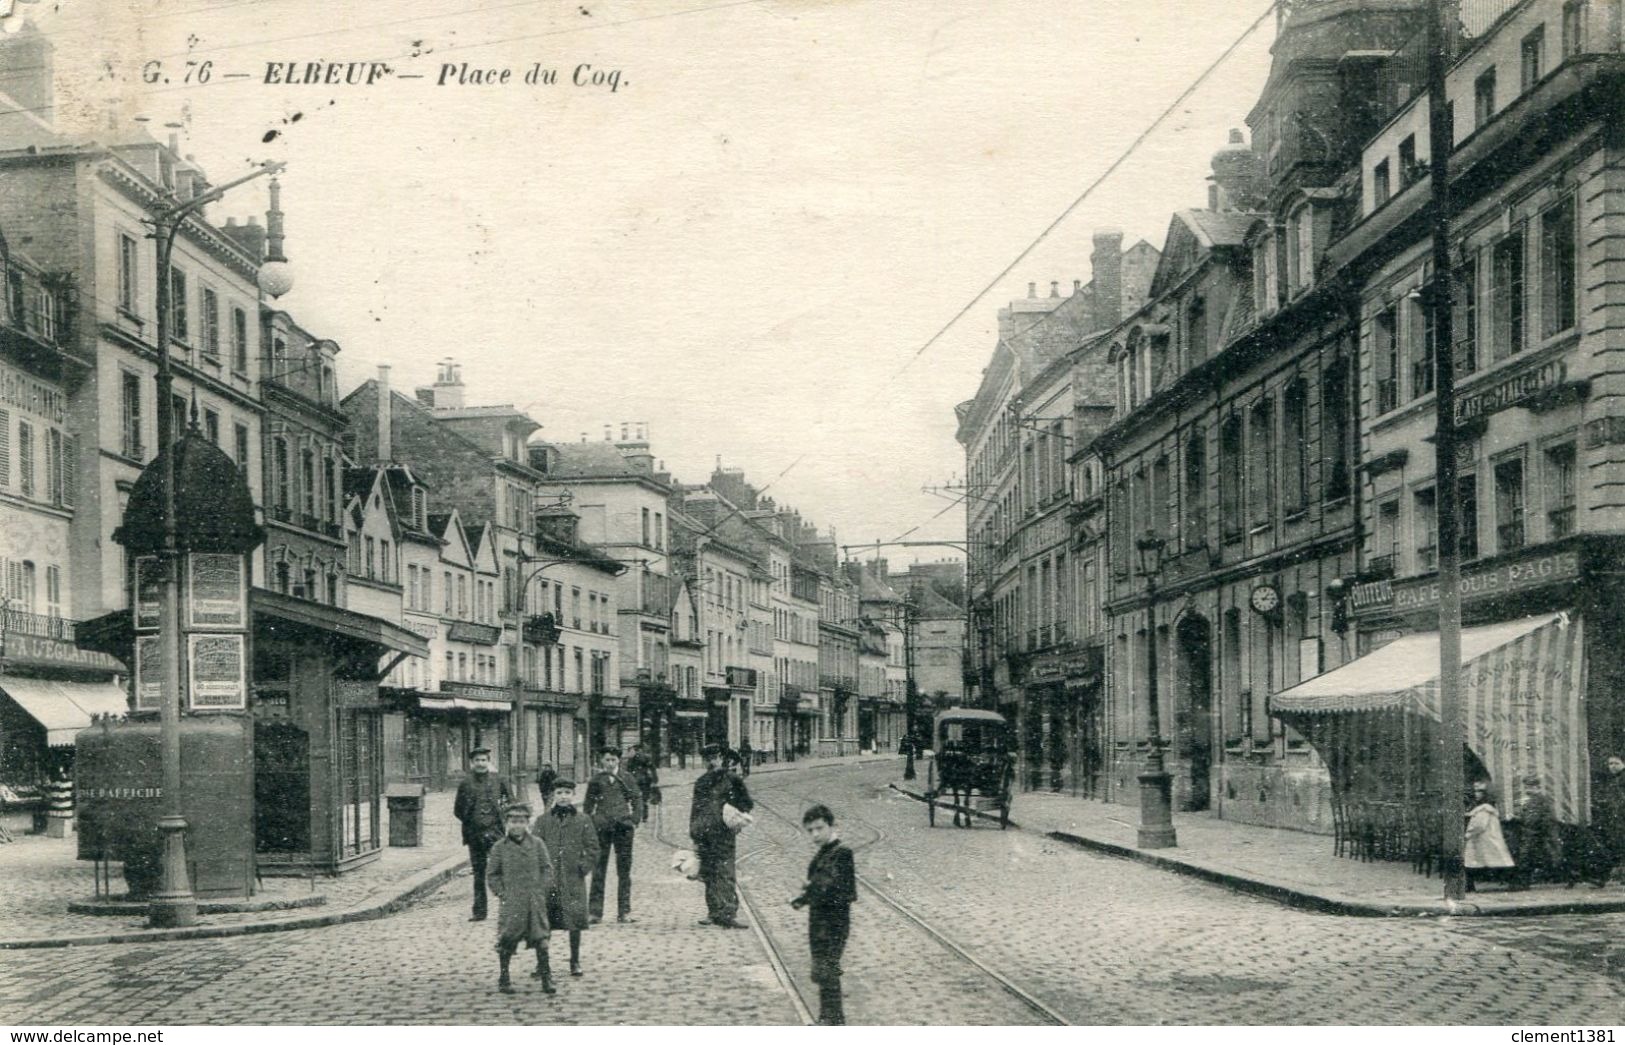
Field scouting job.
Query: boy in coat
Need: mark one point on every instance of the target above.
(714, 840)
(832, 886)
(572, 841)
(520, 872)
(481, 797)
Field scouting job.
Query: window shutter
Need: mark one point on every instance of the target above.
(70, 449)
(5, 447)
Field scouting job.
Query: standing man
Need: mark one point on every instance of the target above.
(616, 807)
(714, 839)
(481, 798)
(642, 769)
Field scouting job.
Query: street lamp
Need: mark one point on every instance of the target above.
(174, 904)
(1156, 813)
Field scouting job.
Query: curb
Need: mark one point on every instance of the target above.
(420, 884)
(1289, 896)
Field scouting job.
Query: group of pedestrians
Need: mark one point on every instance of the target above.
(1533, 845)
(539, 870)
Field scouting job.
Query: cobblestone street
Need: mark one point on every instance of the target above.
(1096, 939)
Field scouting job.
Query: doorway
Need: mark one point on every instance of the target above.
(281, 788)
(1196, 669)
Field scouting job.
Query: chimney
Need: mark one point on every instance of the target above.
(386, 451)
(1054, 288)
(1237, 181)
(447, 391)
(273, 224)
(28, 57)
(1077, 285)
(1032, 290)
(1106, 273)
(250, 237)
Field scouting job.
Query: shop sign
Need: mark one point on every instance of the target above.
(97, 793)
(1510, 390)
(217, 677)
(37, 651)
(1502, 579)
(356, 693)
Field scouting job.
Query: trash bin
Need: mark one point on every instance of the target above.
(405, 814)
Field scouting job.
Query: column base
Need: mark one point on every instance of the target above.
(1156, 812)
(173, 906)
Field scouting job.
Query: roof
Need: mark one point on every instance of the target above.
(598, 460)
(872, 589)
(933, 605)
(1218, 228)
(214, 510)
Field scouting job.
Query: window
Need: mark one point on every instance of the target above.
(1408, 170)
(241, 434)
(462, 596)
(177, 414)
(129, 267)
(130, 419)
(1195, 497)
(1464, 320)
(177, 305)
(1560, 499)
(1506, 295)
(1573, 27)
(1425, 529)
(1385, 538)
(53, 465)
(1467, 515)
(580, 679)
(1385, 358)
(331, 468)
(239, 341)
(1160, 498)
(1303, 249)
(284, 578)
(1484, 97)
(1422, 345)
(385, 573)
(372, 557)
(660, 530)
(53, 591)
(1261, 450)
(1118, 544)
(1509, 505)
(280, 464)
(1159, 363)
(1335, 435)
(1230, 478)
(1557, 268)
(307, 482)
(211, 323)
(1196, 331)
(646, 527)
(25, 458)
(575, 608)
(1381, 186)
(211, 426)
(446, 588)
(1295, 447)
(1529, 58)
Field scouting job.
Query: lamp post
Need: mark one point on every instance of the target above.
(1156, 813)
(911, 694)
(174, 904)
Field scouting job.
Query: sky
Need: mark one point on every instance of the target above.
(744, 244)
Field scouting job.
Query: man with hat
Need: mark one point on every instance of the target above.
(714, 837)
(481, 797)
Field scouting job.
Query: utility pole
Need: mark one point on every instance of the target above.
(1439, 299)
(911, 691)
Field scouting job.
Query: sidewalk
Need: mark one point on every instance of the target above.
(1290, 867)
(42, 876)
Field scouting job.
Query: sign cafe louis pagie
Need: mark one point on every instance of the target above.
(1384, 597)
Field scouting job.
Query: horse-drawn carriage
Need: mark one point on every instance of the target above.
(971, 758)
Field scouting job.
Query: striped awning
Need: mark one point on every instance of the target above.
(464, 704)
(1523, 693)
(62, 707)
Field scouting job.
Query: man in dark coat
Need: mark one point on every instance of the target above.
(642, 770)
(832, 886)
(544, 783)
(481, 797)
(714, 839)
(616, 808)
(521, 873)
(573, 842)
(1609, 829)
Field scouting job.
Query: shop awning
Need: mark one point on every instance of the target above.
(1523, 694)
(496, 707)
(691, 714)
(64, 708)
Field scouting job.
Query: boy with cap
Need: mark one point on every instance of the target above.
(481, 797)
(521, 874)
(832, 886)
(616, 807)
(572, 841)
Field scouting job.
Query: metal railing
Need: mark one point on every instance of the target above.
(21, 622)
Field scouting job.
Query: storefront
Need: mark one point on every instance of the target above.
(1541, 673)
(50, 691)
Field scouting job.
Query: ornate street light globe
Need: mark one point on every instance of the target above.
(276, 277)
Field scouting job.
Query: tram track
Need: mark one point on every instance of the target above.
(939, 936)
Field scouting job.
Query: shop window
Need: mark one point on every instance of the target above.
(1560, 491)
(1425, 529)
(1509, 504)
(1557, 269)
(1506, 295)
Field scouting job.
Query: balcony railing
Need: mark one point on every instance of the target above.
(21, 622)
(741, 678)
